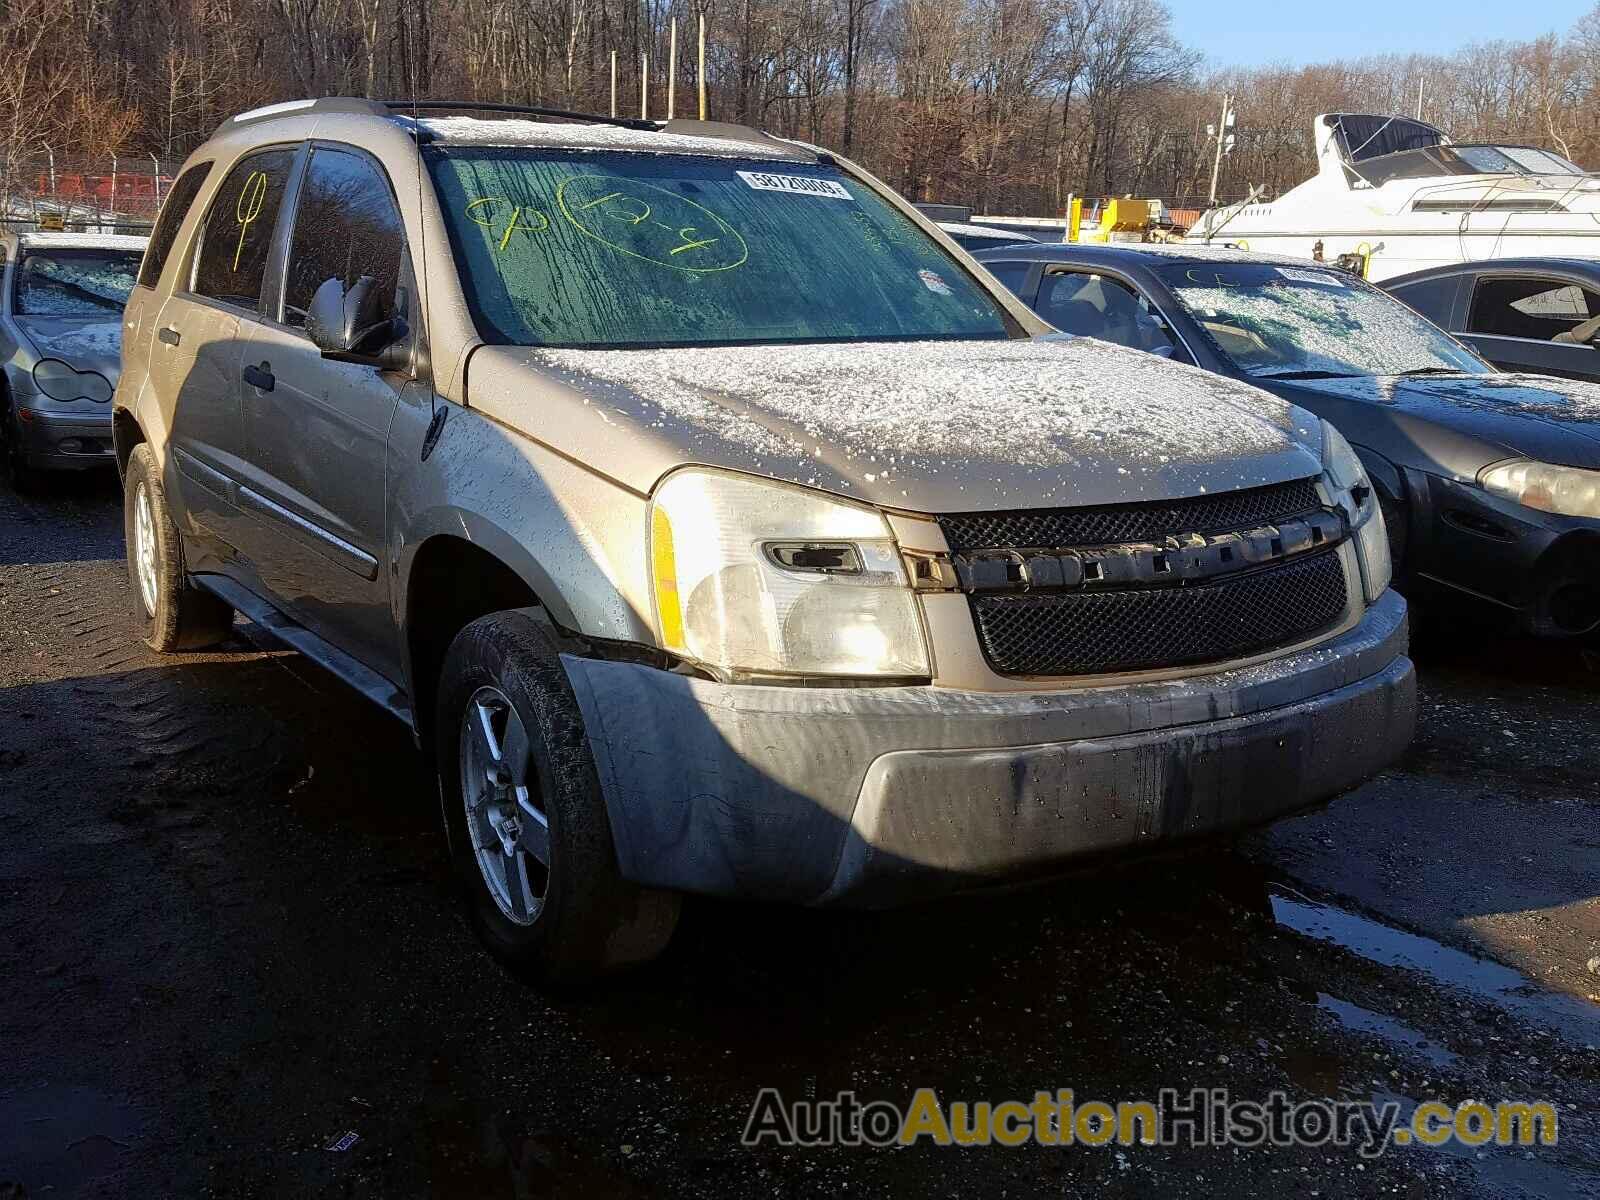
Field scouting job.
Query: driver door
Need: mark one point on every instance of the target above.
(316, 430)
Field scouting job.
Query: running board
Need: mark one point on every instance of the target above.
(320, 651)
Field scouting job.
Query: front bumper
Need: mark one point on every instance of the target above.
(65, 439)
(870, 795)
(1540, 570)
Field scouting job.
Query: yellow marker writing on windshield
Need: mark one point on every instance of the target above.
(514, 225)
(248, 208)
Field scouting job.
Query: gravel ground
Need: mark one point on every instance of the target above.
(227, 937)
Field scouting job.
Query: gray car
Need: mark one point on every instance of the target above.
(720, 526)
(61, 302)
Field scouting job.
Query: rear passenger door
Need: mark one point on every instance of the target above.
(316, 430)
(1514, 320)
(194, 351)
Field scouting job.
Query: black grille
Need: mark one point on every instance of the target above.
(1083, 633)
(1112, 523)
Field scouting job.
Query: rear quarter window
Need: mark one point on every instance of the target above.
(173, 210)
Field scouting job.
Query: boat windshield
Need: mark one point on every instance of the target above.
(1525, 160)
(1284, 322)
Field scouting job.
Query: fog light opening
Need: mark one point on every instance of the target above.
(1574, 607)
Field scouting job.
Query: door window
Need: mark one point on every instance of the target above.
(1541, 309)
(1013, 274)
(1095, 306)
(173, 210)
(238, 236)
(347, 226)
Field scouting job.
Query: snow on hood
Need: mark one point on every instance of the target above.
(933, 426)
(89, 345)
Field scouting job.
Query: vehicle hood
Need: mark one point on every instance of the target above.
(1542, 417)
(924, 426)
(88, 343)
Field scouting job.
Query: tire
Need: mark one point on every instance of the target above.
(576, 918)
(169, 612)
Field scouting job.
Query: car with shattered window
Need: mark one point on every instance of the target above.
(719, 527)
(1489, 481)
(61, 301)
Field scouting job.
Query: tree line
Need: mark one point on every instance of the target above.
(1006, 105)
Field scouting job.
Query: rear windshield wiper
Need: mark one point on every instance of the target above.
(1303, 375)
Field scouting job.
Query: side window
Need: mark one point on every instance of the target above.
(1013, 274)
(1433, 298)
(1095, 306)
(173, 210)
(238, 235)
(346, 227)
(1542, 309)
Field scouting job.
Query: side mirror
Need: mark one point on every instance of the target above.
(348, 326)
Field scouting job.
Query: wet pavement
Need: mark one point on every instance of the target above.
(227, 941)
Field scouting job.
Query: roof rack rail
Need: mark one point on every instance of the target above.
(385, 108)
(526, 110)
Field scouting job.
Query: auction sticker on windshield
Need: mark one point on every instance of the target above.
(805, 185)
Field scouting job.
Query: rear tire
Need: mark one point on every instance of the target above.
(169, 612)
(516, 776)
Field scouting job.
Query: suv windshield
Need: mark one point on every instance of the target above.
(75, 283)
(586, 249)
(1275, 321)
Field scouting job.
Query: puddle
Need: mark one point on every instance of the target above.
(1397, 1033)
(62, 1137)
(1511, 990)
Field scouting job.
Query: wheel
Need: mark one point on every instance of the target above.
(529, 837)
(170, 612)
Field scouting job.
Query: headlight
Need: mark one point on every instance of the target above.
(1568, 491)
(62, 381)
(1353, 492)
(758, 577)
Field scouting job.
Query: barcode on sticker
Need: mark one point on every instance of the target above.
(804, 185)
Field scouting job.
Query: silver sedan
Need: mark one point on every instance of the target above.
(61, 302)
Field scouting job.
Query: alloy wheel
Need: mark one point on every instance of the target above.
(506, 820)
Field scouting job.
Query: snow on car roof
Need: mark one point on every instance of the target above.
(985, 231)
(55, 240)
(580, 135)
(1219, 252)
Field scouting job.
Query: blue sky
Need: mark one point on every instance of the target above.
(1244, 32)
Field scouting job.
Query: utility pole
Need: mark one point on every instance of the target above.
(672, 73)
(1224, 135)
(700, 71)
(644, 89)
(613, 83)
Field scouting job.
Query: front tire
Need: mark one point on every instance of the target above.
(169, 612)
(529, 837)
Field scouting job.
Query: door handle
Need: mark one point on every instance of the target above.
(169, 335)
(260, 378)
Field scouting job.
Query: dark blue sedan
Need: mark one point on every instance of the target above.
(1489, 482)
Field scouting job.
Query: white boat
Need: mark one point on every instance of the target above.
(1399, 195)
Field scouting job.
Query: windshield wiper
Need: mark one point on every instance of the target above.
(1431, 371)
(1303, 375)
